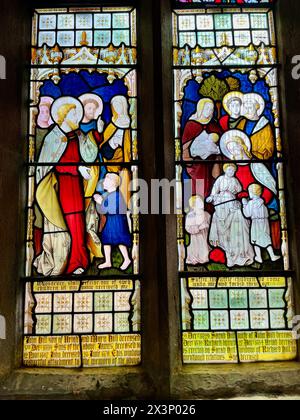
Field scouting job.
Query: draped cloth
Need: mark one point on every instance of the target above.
(60, 196)
(198, 172)
(119, 155)
(89, 143)
(262, 138)
(56, 240)
(229, 229)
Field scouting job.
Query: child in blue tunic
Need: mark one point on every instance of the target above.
(116, 229)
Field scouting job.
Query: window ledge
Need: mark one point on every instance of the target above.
(108, 383)
(191, 382)
(226, 381)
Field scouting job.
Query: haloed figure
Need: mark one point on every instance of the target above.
(116, 146)
(93, 108)
(60, 194)
(233, 104)
(90, 138)
(229, 228)
(258, 127)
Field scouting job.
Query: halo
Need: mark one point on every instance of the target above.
(228, 138)
(257, 98)
(66, 100)
(94, 97)
(231, 95)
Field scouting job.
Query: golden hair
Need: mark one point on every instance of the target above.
(256, 189)
(215, 137)
(242, 143)
(63, 112)
(192, 200)
(115, 178)
(200, 107)
(229, 165)
(202, 103)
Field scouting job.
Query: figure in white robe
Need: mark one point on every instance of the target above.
(229, 229)
(256, 210)
(197, 225)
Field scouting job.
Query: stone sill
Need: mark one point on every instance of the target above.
(228, 381)
(107, 383)
(189, 382)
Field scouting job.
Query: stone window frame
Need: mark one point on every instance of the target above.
(162, 374)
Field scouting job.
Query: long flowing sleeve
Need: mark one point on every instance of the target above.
(53, 148)
(217, 187)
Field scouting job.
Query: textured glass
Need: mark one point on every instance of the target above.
(82, 295)
(241, 322)
(231, 210)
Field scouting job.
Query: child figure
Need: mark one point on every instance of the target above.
(257, 211)
(116, 229)
(197, 225)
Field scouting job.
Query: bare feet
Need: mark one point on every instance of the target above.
(78, 272)
(125, 265)
(259, 260)
(275, 258)
(104, 265)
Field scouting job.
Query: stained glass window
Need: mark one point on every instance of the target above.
(234, 269)
(82, 285)
(224, 2)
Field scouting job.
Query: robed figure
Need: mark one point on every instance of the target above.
(203, 129)
(258, 127)
(116, 146)
(229, 229)
(60, 193)
(91, 129)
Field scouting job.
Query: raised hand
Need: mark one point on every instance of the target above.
(85, 172)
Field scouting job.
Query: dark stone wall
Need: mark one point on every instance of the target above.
(12, 139)
(288, 17)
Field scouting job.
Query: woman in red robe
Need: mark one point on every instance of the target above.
(201, 121)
